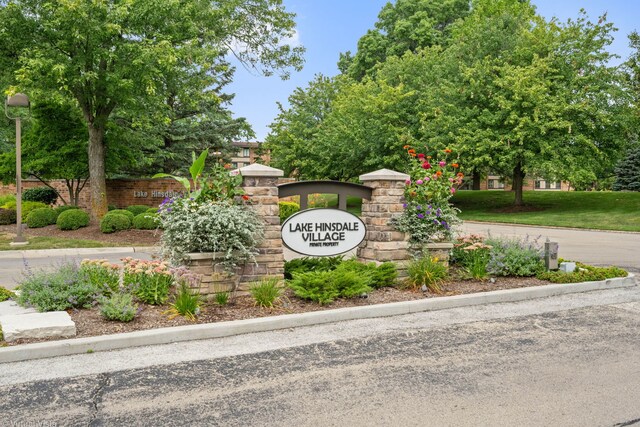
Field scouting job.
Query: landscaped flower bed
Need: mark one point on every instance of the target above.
(150, 294)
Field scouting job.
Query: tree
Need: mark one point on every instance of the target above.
(405, 25)
(294, 131)
(109, 55)
(628, 172)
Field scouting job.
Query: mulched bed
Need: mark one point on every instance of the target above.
(92, 232)
(90, 323)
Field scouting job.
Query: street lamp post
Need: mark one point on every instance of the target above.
(18, 100)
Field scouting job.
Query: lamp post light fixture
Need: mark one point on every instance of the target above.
(18, 100)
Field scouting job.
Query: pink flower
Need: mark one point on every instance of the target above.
(426, 165)
(442, 164)
(426, 178)
(453, 190)
(419, 182)
(408, 182)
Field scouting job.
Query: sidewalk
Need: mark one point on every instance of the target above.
(44, 253)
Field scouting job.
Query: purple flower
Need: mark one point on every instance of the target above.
(420, 216)
(404, 205)
(419, 207)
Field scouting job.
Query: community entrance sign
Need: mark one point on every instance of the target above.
(323, 232)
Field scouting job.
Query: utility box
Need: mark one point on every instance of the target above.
(568, 267)
(551, 255)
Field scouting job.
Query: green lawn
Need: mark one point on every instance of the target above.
(596, 210)
(51, 243)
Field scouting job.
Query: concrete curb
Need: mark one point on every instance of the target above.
(44, 253)
(238, 327)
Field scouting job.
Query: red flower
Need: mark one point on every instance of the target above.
(426, 165)
(421, 156)
(245, 197)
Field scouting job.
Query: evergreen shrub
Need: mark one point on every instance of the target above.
(72, 219)
(8, 216)
(124, 212)
(146, 221)
(287, 209)
(116, 222)
(41, 217)
(137, 209)
(45, 195)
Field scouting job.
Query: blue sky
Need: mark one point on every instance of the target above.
(327, 27)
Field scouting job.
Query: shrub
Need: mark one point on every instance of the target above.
(186, 303)
(325, 286)
(426, 271)
(119, 306)
(58, 290)
(583, 273)
(27, 207)
(6, 199)
(190, 226)
(458, 254)
(315, 286)
(137, 209)
(72, 219)
(149, 280)
(124, 212)
(146, 221)
(515, 257)
(266, 292)
(114, 222)
(5, 294)
(304, 265)
(62, 208)
(41, 217)
(287, 209)
(377, 276)
(8, 216)
(111, 208)
(152, 210)
(45, 195)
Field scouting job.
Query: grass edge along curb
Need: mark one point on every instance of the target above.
(263, 324)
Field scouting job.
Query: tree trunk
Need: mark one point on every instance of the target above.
(518, 180)
(97, 176)
(476, 180)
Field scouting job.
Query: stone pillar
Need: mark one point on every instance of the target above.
(383, 242)
(260, 183)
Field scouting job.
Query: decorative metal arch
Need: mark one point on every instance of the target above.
(342, 189)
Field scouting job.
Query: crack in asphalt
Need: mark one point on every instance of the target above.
(96, 396)
(627, 423)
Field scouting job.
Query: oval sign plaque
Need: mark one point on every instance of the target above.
(322, 232)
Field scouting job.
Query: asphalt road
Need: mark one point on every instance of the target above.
(591, 247)
(13, 268)
(571, 360)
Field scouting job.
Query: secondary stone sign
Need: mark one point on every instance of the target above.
(323, 232)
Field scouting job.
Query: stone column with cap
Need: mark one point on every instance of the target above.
(260, 183)
(383, 242)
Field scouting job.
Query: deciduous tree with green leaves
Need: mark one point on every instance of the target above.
(109, 55)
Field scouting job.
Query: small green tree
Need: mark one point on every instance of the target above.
(628, 172)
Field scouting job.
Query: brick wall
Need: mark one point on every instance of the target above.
(120, 192)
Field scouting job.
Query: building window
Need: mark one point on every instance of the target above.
(557, 185)
(539, 184)
(234, 165)
(245, 152)
(495, 184)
